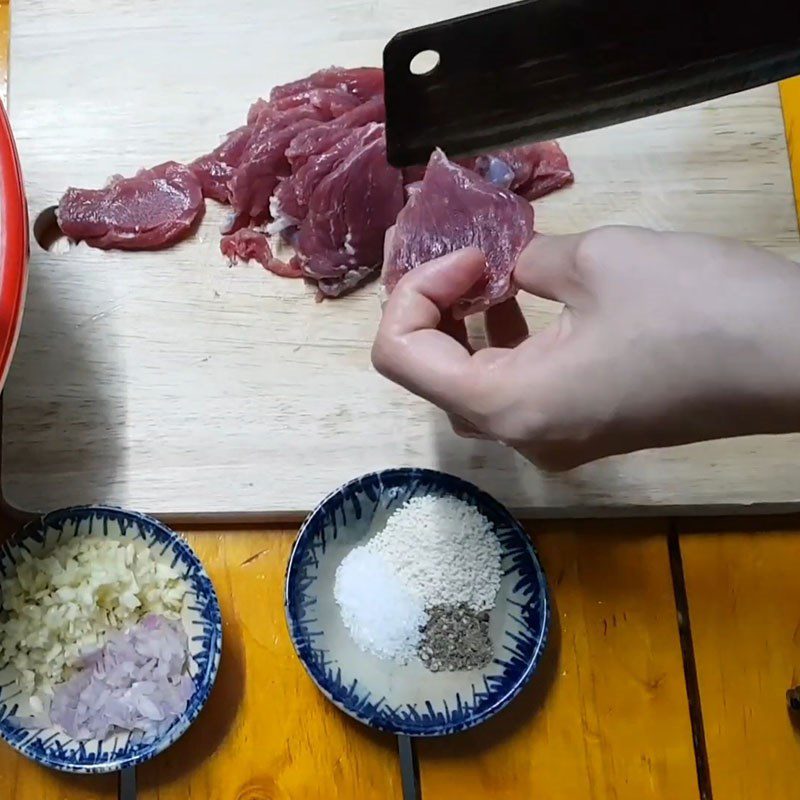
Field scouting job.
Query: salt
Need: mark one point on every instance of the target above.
(382, 616)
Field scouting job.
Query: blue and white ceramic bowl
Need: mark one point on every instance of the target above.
(201, 618)
(408, 699)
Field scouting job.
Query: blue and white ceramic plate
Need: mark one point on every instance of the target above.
(408, 699)
(201, 617)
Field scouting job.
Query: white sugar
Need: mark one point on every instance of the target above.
(443, 550)
(383, 617)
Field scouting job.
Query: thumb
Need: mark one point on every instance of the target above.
(442, 282)
(546, 267)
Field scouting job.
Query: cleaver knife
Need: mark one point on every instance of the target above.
(539, 69)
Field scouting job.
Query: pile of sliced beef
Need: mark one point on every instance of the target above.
(309, 166)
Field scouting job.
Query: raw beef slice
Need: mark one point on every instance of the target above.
(215, 170)
(156, 208)
(289, 207)
(362, 82)
(331, 103)
(454, 208)
(249, 245)
(532, 170)
(264, 160)
(340, 242)
(318, 139)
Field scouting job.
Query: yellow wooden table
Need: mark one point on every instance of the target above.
(665, 676)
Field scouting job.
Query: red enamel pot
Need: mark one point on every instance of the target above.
(13, 245)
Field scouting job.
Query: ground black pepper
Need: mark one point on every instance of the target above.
(455, 638)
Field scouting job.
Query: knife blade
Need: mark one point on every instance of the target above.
(539, 69)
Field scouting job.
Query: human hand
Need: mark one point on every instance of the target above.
(664, 339)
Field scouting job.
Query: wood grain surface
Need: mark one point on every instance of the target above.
(267, 732)
(21, 779)
(607, 716)
(744, 604)
(169, 382)
(790, 97)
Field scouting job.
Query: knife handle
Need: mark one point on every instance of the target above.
(544, 68)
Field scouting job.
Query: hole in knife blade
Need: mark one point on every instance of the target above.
(424, 62)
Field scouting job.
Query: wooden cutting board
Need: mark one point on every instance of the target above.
(175, 384)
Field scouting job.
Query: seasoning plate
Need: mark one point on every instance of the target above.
(50, 746)
(407, 698)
